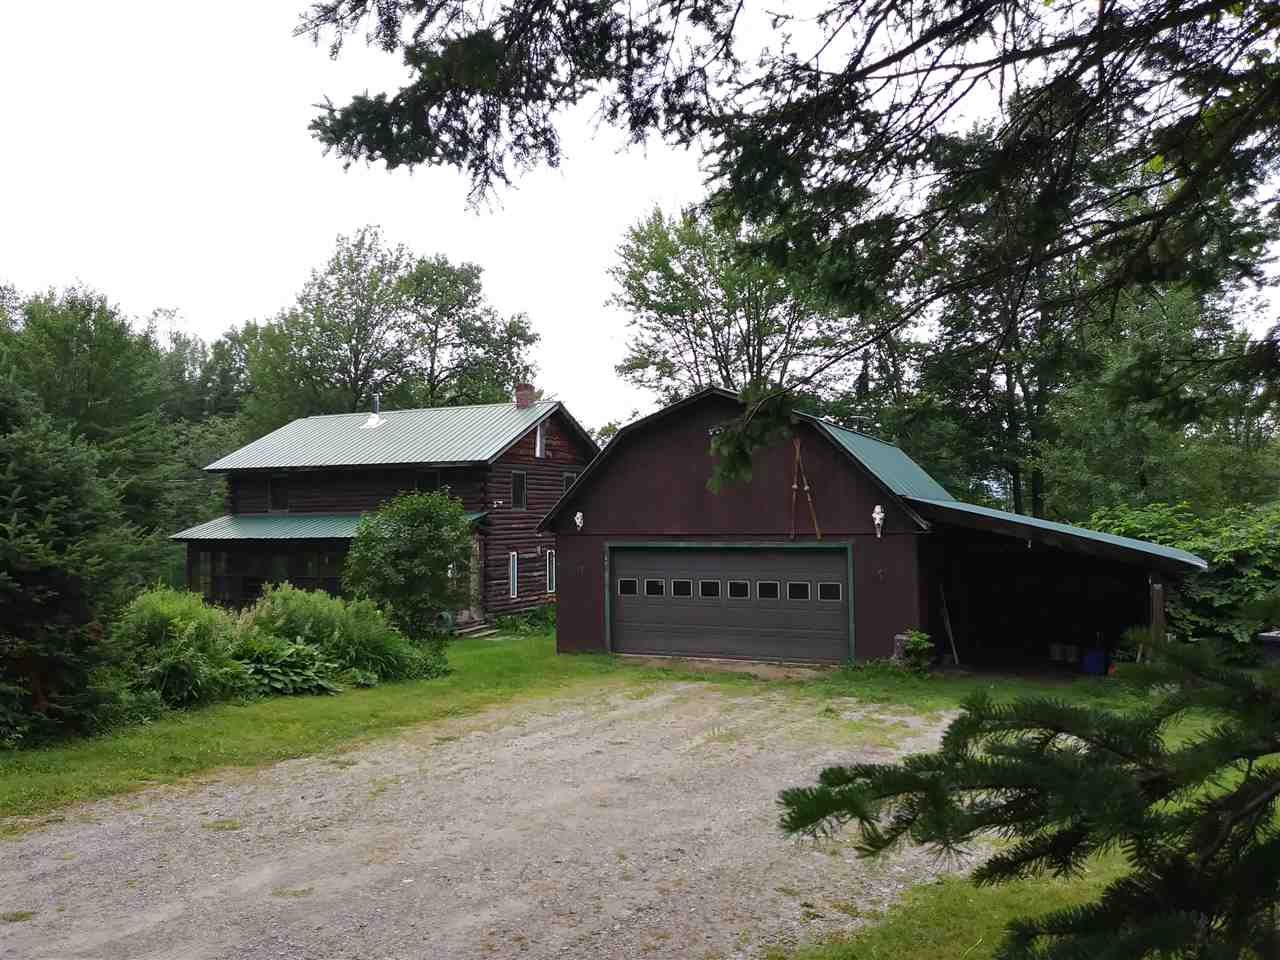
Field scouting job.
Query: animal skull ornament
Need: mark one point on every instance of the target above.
(577, 519)
(877, 517)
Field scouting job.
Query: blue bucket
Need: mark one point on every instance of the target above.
(1094, 662)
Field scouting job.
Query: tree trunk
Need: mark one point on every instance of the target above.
(1037, 492)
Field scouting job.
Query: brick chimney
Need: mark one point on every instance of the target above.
(524, 395)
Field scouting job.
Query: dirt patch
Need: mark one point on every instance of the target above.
(755, 668)
(616, 826)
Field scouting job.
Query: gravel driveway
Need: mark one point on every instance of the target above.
(616, 823)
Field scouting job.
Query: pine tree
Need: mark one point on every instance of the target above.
(1185, 787)
(62, 540)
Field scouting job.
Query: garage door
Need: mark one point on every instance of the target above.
(749, 603)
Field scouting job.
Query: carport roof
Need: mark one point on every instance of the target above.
(1050, 532)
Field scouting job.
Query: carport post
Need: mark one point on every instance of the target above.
(1157, 608)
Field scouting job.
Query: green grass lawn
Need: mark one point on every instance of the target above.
(485, 673)
(34, 782)
(955, 920)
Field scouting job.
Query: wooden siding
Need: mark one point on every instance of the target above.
(508, 528)
(348, 490)
(654, 489)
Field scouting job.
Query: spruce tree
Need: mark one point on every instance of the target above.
(1184, 787)
(62, 546)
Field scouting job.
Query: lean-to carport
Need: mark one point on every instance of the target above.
(1017, 590)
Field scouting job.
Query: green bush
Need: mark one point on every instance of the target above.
(918, 652)
(16, 717)
(173, 643)
(353, 635)
(412, 555)
(1242, 548)
(124, 705)
(280, 667)
(538, 620)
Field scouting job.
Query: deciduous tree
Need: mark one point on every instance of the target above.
(376, 319)
(413, 556)
(704, 311)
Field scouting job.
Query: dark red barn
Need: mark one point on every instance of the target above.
(651, 562)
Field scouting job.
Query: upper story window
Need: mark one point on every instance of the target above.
(519, 494)
(278, 492)
(568, 479)
(540, 440)
(428, 480)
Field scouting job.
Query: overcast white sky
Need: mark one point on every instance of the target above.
(159, 152)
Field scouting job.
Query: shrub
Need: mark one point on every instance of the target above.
(412, 555)
(918, 652)
(172, 642)
(279, 667)
(538, 620)
(124, 705)
(1242, 547)
(353, 635)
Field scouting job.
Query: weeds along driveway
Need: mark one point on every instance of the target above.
(620, 822)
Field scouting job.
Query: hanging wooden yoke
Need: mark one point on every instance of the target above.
(800, 477)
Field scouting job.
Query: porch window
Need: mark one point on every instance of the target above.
(428, 480)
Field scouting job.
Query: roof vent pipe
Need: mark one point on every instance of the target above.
(525, 393)
(375, 420)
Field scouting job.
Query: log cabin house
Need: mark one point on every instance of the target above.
(294, 496)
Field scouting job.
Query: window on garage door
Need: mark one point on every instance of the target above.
(739, 589)
(655, 588)
(829, 591)
(628, 586)
(798, 590)
(768, 589)
(682, 588)
(709, 589)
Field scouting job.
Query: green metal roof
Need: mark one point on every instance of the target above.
(948, 510)
(433, 435)
(888, 463)
(281, 526)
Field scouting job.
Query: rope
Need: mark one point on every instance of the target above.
(801, 476)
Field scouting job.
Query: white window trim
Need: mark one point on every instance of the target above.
(513, 574)
(831, 583)
(551, 571)
(776, 583)
(730, 596)
(540, 440)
